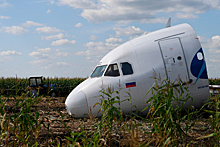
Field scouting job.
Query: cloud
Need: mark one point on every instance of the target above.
(4, 4)
(79, 25)
(136, 36)
(96, 50)
(109, 14)
(4, 17)
(52, 37)
(211, 49)
(8, 53)
(62, 42)
(44, 50)
(52, 2)
(41, 61)
(31, 23)
(48, 30)
(15, 30)
(62, 54)
(212, 44)
(214, 60)
(44, 56)
(129, 31)
(155, 20)
(48, 11)
(41, 53)
(93, 37)
(139, 10)
(62, 64)
(114, 40)
(81, 4)
(186, 16)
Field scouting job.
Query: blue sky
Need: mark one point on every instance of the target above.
(67, 38)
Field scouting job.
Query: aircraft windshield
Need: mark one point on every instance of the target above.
(112, 70)
(98, 71)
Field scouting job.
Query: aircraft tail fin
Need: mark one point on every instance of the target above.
(168, 23)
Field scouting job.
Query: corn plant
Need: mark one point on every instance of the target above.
(21, 124)
(17, 86)
(21, 117)
(111, 114)
(214, 81)
(165, 112)
(112, 118)
(4, 129)
(214, 119)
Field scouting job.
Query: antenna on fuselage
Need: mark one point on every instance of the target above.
(168, 23)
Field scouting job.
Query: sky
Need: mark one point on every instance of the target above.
(67, 38)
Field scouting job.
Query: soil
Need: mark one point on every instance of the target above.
(52, 112)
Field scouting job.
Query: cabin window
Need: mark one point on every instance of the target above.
(36, 81)
(98, 71)
(126, 68)
(33, 81)
(39, 81)
(112, 71)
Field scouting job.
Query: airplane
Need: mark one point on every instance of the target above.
(173, 53)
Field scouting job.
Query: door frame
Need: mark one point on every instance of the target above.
(187, 69)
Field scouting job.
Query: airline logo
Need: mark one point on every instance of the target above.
(131, 84)
(198, 66)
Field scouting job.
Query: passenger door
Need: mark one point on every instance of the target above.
(174, 60)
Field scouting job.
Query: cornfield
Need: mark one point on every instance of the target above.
(214, 81)
(44, 121)
(17, 86)
(63, 86)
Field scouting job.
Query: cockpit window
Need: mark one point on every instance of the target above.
(98, 71)
(112, 71)
(126, 68)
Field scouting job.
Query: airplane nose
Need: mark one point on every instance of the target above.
(76, 105)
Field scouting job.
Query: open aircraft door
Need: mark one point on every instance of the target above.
(174, 60)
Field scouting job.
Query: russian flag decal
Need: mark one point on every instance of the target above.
(131, 84)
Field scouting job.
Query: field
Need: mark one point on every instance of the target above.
(17, 86)
(54, 125)
(63, 86)
(44, 121)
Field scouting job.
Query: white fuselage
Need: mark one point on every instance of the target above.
(173, 53)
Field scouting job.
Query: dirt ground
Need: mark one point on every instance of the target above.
(54, 114)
